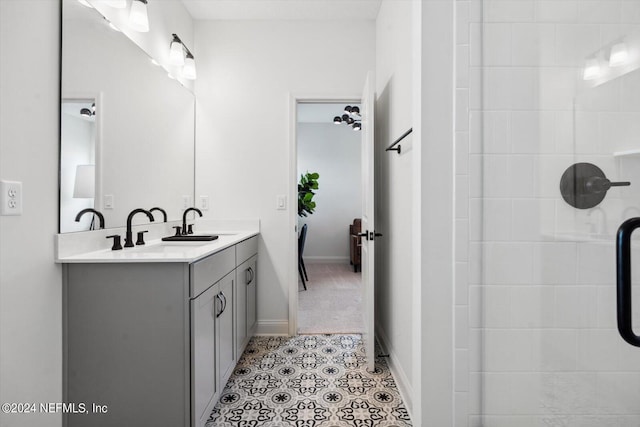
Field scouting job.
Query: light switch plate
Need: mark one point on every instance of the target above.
(10, 198)
(281, 202)
(204, 203)
(108, 201)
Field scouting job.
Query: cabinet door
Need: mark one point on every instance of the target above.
(252, 295)
(240, 301)
(224, 329)
(203, 343)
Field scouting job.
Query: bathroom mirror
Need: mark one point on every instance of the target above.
(127, 129)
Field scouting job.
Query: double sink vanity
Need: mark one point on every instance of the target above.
(152, 333)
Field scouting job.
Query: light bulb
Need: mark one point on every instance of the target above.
(619, 55)
(337, 120)
(189, 69)
(138, 19)
(176, 53)
(357, 126)
(591, 69)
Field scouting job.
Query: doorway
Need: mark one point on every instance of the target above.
(328, 147)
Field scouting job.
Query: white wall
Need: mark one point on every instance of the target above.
(247, 71)
(333, 152)
(30, 282)
(433, 178)
(394, 186)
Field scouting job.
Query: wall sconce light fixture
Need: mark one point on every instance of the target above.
(181, 56)
(138, 18)
(176, 52)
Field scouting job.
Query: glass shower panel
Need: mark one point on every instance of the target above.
(558, 123)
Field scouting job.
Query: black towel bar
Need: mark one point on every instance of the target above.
(393, 147)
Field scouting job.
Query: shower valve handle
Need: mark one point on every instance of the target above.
(600, 185)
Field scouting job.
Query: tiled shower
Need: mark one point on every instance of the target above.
(536, 339)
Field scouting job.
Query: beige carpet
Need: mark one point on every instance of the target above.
(332, 302)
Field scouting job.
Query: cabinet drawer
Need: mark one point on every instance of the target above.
(246, 249)
(208, 271)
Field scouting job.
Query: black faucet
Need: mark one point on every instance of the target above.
(128, 241)
(164, 213)
(95, 212)
(184, 218)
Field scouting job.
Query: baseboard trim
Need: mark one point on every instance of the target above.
(326, 260)
(402, 381)
(272, 327)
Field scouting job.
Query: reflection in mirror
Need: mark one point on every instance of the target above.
(77, 163)
(124, 123)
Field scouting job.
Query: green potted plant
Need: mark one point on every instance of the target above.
(308, 183)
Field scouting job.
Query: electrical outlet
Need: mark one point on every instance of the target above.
(186, 202)
(204, 203)
(10, 198)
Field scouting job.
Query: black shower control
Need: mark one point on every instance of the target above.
(584, 185)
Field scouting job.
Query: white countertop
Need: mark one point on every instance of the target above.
(159, 251)
(95, 247)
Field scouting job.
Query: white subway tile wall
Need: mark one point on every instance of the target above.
(536, 340)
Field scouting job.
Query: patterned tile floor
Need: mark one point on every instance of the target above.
(309, 381)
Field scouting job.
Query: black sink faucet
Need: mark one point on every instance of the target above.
(184, 218)
(95, 212)
(128, 241)
(164, 213)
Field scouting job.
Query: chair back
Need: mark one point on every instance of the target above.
(301, 239)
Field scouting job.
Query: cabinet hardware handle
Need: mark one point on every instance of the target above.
(224, 306)
(623, 267)
(251, 276)
(221, 305)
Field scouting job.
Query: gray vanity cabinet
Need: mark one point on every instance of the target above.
(246, 291)
(154, 342)
(204, 381)
(226, 352)
(252, 295)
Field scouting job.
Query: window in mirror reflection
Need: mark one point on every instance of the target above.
(77, 174)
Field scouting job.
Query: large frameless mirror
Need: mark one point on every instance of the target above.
(127, 129)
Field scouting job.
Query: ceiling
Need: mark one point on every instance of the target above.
(320, 113)
(317, 10)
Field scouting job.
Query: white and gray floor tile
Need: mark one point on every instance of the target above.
(309, 381)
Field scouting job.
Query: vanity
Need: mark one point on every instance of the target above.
(153, 333)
